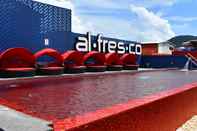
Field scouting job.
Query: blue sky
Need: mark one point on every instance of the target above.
(140, 20)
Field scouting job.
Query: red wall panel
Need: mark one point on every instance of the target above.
(149, 49)
(164, 114)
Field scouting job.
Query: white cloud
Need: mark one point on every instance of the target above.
(150, 27)
(60, 3)
(147, 26)
(182, 19)
(112, 27)
(153, 3)
(162, 2)
(109, 4)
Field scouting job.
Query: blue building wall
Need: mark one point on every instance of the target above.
(26, 23)
(163, 61)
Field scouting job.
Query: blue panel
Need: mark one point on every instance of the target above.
(163, 61)
(26, 23)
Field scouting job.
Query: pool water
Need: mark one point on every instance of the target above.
(66, 96)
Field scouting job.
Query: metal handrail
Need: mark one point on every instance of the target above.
(192, 58)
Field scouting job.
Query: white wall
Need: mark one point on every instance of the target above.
(164, 49)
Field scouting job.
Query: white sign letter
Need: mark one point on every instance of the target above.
(99, 42)
(112, 46)
(82, 45)
(132, 46)
(121, 48)
(138, 49)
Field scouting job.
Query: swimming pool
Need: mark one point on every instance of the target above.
(60, 97)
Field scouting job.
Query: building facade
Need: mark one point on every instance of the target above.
(27, 23)
(34, 25)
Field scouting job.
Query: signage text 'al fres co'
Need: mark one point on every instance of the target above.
(84, 44)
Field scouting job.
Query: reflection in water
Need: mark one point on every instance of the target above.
(144, 77)
(186, 67)
(64, 97)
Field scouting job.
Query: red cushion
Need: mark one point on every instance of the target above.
(112, 59)
(17, 69)
(129, 65)
(52, 53)
(75, 67)
(75, 56)
(96, 66)
(98, 57)
(17, 72)
(50, 71)
(118, 66)
(51, 68)
(128, 59)
(16, 58)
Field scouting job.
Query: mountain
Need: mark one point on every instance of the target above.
(178, 40)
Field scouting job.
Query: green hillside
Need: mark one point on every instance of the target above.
(178, 40)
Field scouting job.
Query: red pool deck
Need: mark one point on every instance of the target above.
(59, 98)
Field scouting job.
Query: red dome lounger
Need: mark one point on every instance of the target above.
(129, 62)
(17, 62)
(73, 62)
(94, 61)
(49, 68)
(113, 62)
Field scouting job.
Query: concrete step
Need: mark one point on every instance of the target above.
(11, 120)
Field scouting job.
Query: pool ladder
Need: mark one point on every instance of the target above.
(191, 58)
